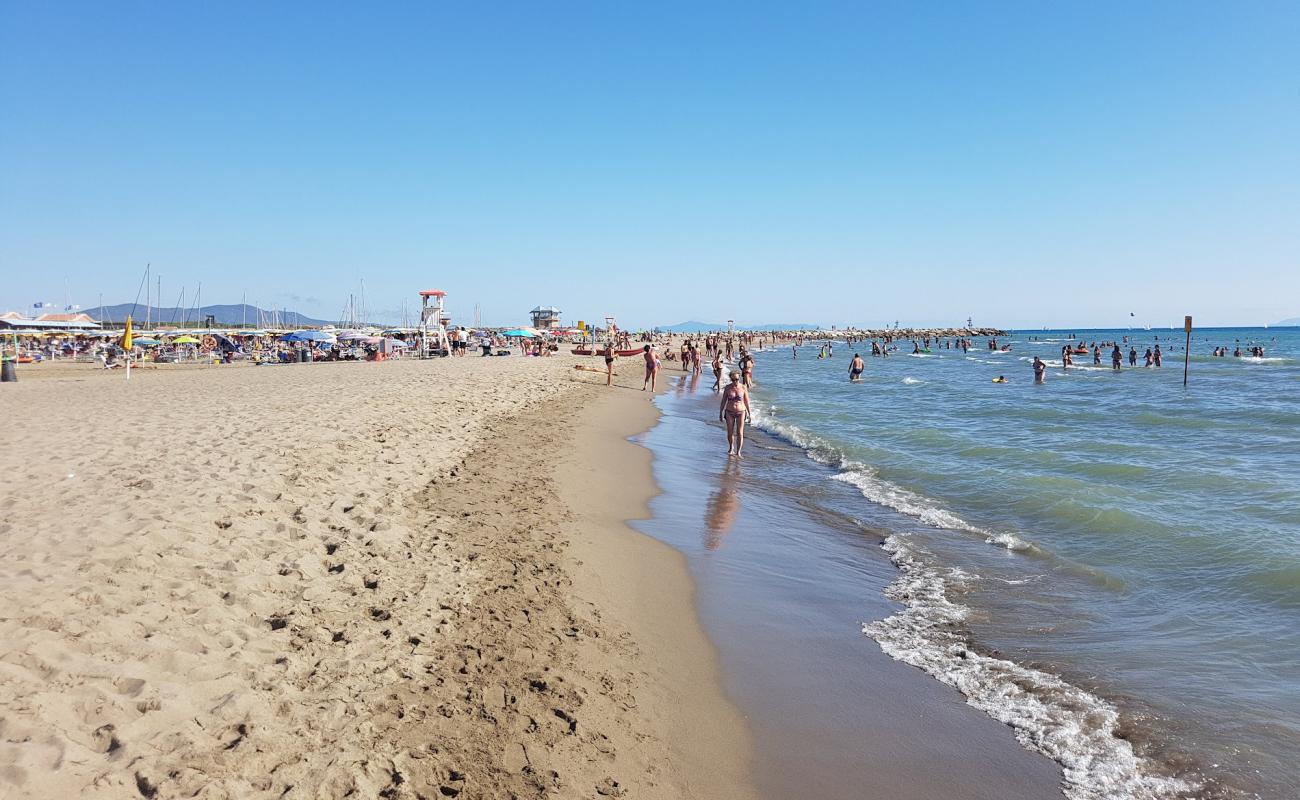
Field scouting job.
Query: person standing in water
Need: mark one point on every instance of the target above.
(717, 370)
(1040, 370)
(855, 368)
(746, 365)
(734, 411)
(1116, 358)
(651, 368)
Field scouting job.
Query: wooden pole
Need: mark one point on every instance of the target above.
(1187, 352)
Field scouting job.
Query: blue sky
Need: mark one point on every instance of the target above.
(1022, 163)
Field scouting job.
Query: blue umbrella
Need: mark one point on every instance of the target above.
(307, 336)
(518, 333)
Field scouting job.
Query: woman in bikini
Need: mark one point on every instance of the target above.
(734, 411)
(651, 368)
(717, 370)
(609, 363)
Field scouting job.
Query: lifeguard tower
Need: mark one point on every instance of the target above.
(433, 324)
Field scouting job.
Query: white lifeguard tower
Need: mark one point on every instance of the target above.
(546, 318)
(433, 324)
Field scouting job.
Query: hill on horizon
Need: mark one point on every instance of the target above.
(229, 314)
(1288, 323)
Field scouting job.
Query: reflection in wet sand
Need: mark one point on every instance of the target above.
(720, 512)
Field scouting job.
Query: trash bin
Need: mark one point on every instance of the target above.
(302, 356)
(8, 373)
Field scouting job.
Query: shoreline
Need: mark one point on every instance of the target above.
(786, 572)
(645, 586)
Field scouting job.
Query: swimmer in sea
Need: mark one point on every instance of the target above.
(1000, 379)
(1040, 370)
(855, 368)
(734, 411)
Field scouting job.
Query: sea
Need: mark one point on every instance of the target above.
(1107, 563)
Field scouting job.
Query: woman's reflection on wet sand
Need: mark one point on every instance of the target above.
(720, 511)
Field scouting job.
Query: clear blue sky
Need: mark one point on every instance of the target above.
(1024, 163)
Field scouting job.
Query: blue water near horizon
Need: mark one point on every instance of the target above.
(1104, 559)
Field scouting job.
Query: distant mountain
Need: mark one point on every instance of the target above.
(713, 327)
(224, 314)
(1287, 323)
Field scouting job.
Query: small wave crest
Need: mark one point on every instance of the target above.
(910, 381)
(1075, 728)
(1010, 541)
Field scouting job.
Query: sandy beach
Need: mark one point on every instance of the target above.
(408, 579)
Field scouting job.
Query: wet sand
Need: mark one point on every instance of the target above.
(787, 570)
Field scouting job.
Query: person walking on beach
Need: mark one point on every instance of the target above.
(1040, 370)
(609, 363)
(651, 368)
(734, 411)
(855, 368)
(746, 365)
(717, 370)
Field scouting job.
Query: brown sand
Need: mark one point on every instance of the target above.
(373, 580)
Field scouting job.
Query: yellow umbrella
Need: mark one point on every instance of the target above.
(185, 340)
(126, 336)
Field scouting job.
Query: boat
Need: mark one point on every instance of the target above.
(583, 351)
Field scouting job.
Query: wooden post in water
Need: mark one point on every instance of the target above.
(1187, 353)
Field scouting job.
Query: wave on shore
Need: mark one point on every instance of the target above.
(1049, 715)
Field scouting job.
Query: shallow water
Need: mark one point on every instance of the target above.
(1103, 559)
(787, 566)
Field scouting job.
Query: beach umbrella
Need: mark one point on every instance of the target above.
(518, 334)
(352, 336)
(370, 339)
(186, 339)
(307, 336)
(397, 343)
(144, 341)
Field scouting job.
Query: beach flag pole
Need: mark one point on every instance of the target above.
(1187, 353)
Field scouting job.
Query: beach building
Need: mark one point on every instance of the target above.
(66, 322)
(546, 318)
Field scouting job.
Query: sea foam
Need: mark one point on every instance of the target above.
(1049, 715)
(1075, 728)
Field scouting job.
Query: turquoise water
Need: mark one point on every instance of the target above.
(1108, 562)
